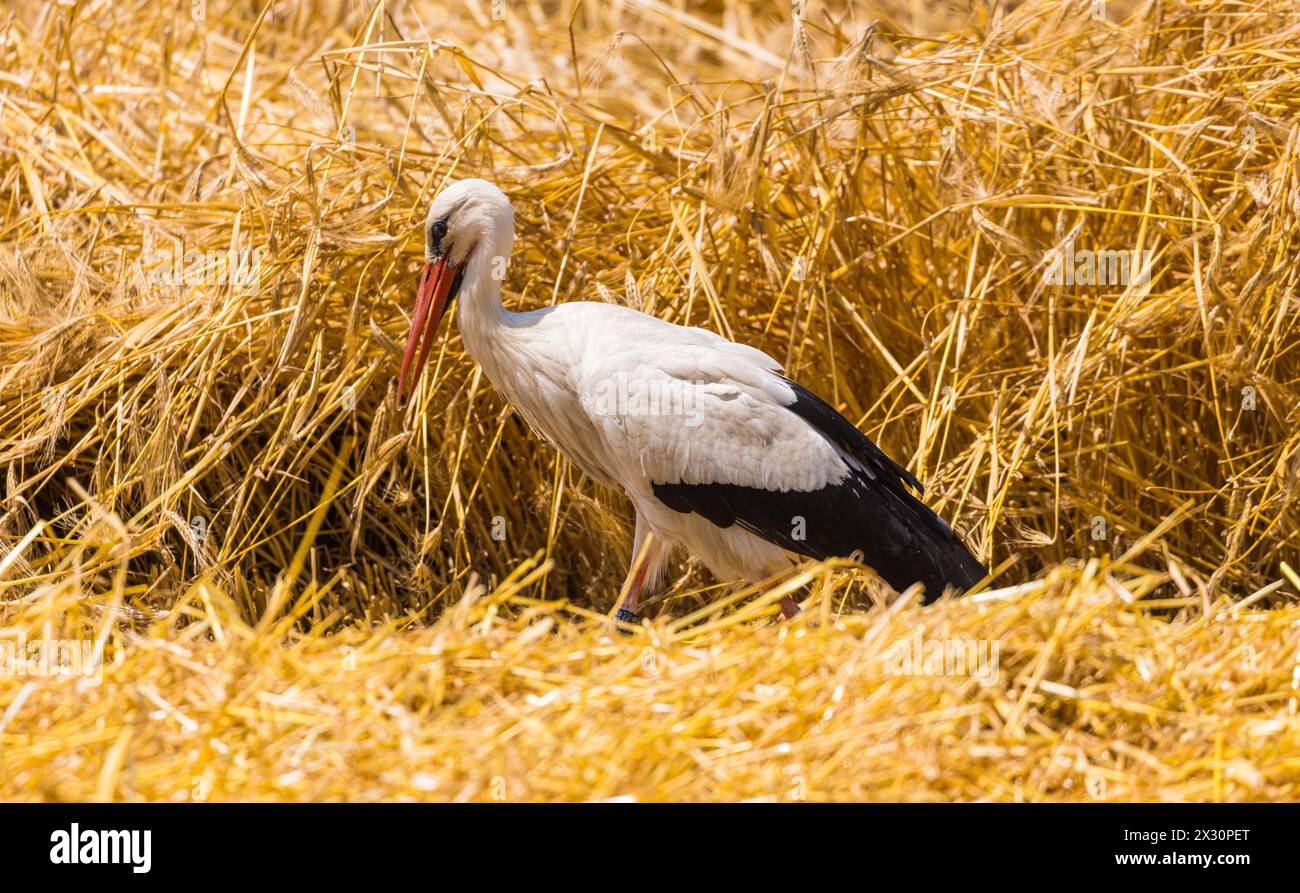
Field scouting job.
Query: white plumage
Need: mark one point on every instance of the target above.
(719, 453)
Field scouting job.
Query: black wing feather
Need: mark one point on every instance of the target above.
(871, 512)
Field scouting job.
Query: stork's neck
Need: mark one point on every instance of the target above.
(481, 316)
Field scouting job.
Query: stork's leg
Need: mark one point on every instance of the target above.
(789, 607)
(628, 612)
(643, 575)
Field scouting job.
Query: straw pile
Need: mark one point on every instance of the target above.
(292, 589)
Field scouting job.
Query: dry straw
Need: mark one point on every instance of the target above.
(291, 588)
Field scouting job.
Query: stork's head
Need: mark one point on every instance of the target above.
(470, 226)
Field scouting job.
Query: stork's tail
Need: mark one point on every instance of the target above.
(936, 557)
(898, 535)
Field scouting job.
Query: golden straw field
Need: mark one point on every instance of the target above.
(285, 586)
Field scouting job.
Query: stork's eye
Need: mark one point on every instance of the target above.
(437, 231)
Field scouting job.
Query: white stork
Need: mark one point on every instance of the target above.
(743, 467)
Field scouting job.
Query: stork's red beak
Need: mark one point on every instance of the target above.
(436, 283)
